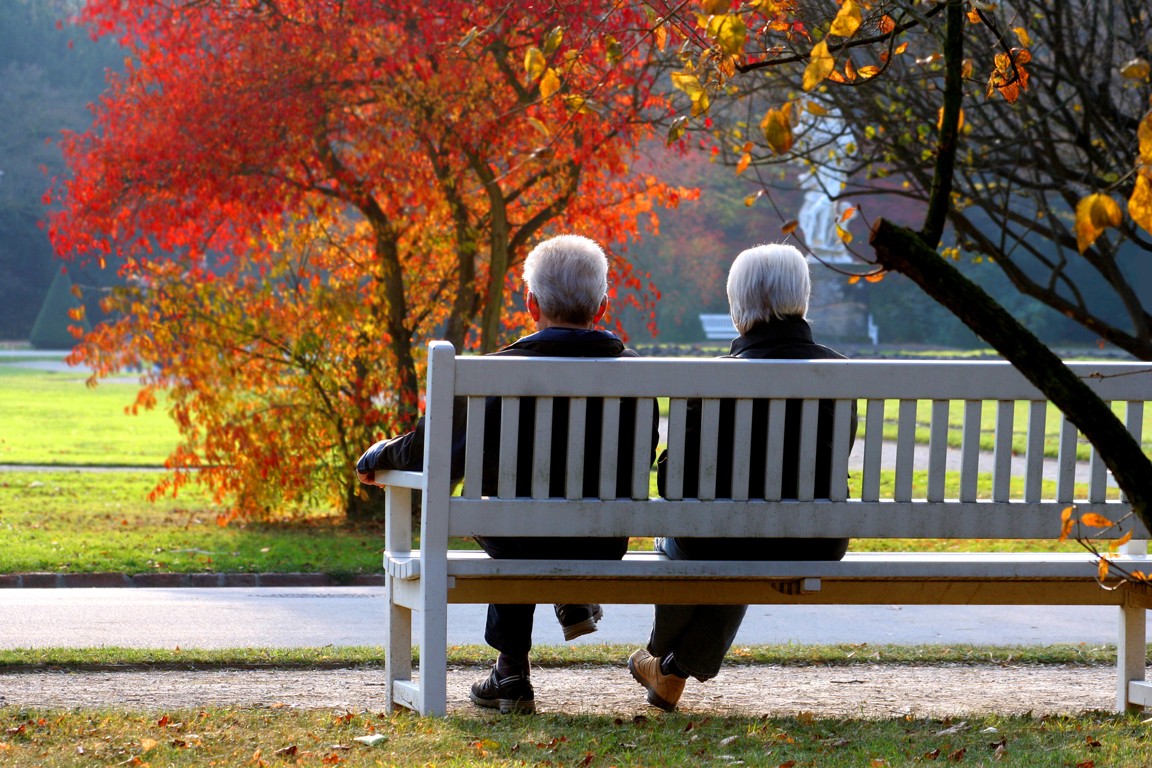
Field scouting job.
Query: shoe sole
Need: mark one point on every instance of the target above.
(654, 698)
(581, 628)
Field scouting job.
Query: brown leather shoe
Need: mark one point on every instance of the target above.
(663, 690)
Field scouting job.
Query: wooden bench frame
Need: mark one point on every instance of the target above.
(420, 583)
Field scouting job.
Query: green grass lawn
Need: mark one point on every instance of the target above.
(261, 737)
(53, 418)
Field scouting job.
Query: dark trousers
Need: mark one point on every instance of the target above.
(508, 628)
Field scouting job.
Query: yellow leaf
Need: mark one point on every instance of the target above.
(147, 745)
(535, 63)
(540, 127)
(677, 129)
(900, 49)
(700, 104)
(729, 32)
(1093, 214)
(849, 70)
(777, 129)
(1135, 69)
(578, 105)
(745, 161)
(868, 72)
(1022, 36)
(844, 235)
(820, 65)
(1144, 137)
(1102, 569)
(750, 200)
(689, 83)
(552, 42)
(1066, 523)
(549, 84)
(1095, 521)
(1140, 204)
(847, 21)
(816, 108)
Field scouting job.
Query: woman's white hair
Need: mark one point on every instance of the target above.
(568, 275)
(766, 282)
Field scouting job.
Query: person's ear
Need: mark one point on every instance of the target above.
(533, 306)
(603, 308)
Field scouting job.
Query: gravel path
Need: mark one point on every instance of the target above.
(864, 690)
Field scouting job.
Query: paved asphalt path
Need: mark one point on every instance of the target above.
(345, 616)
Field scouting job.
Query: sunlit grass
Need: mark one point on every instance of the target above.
(52, 738)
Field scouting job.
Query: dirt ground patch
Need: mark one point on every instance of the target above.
(863, 690)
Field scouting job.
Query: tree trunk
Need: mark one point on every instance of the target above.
(902, 250)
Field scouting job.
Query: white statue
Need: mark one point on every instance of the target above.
(829, 143)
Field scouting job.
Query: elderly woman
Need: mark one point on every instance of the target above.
(768, 290)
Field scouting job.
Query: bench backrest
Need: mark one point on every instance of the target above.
(900, 490)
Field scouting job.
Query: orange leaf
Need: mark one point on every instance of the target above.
(886, 24)
(1094, 520)
(789, 227)
(875, 277)
(1066, 523)
(1094, 213)
(745, 161)
(1102, 569)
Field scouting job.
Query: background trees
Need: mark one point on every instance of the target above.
(299, 194)
(971, 69)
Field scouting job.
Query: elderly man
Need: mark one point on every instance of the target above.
(566, 280)
(768, 289)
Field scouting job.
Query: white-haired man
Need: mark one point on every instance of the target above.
(566, 281)
(768, 290)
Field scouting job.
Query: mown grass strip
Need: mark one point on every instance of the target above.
(52, 738)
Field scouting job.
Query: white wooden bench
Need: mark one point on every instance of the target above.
(718, 327)
(905, 492)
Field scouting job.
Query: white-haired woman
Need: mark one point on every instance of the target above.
(768, 290)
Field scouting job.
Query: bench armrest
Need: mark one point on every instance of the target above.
(399, 478)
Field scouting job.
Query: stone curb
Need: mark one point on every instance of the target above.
(177, 580)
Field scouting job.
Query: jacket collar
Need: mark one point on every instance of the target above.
(789, 330)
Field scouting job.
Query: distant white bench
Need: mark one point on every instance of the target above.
(901, 497)
(718, 327)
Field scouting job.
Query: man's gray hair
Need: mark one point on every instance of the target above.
(568, 275)
(766, 282)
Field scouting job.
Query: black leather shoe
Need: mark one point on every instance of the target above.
(577, 620)
(508, 694)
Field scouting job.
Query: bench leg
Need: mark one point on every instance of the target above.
(433, 699)
(1132, 692)
(398, 652)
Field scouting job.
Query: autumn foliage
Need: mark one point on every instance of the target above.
(299, 194)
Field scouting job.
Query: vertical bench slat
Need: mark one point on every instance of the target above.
(1097, 477)
(1034, 458)
(841, 431)
(509, 440)
(809, 421)
(773, 464)
(709, 440)
(970, 450)
(1002, 451)
(674, 467)
(642, 448)
(873, 451)
(905, 449)
(474, 449)
(741, 456)
(937, 450)
(1134, 420)
(609, 447)
(542, 448)
(574, 467)
(1066, 460)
